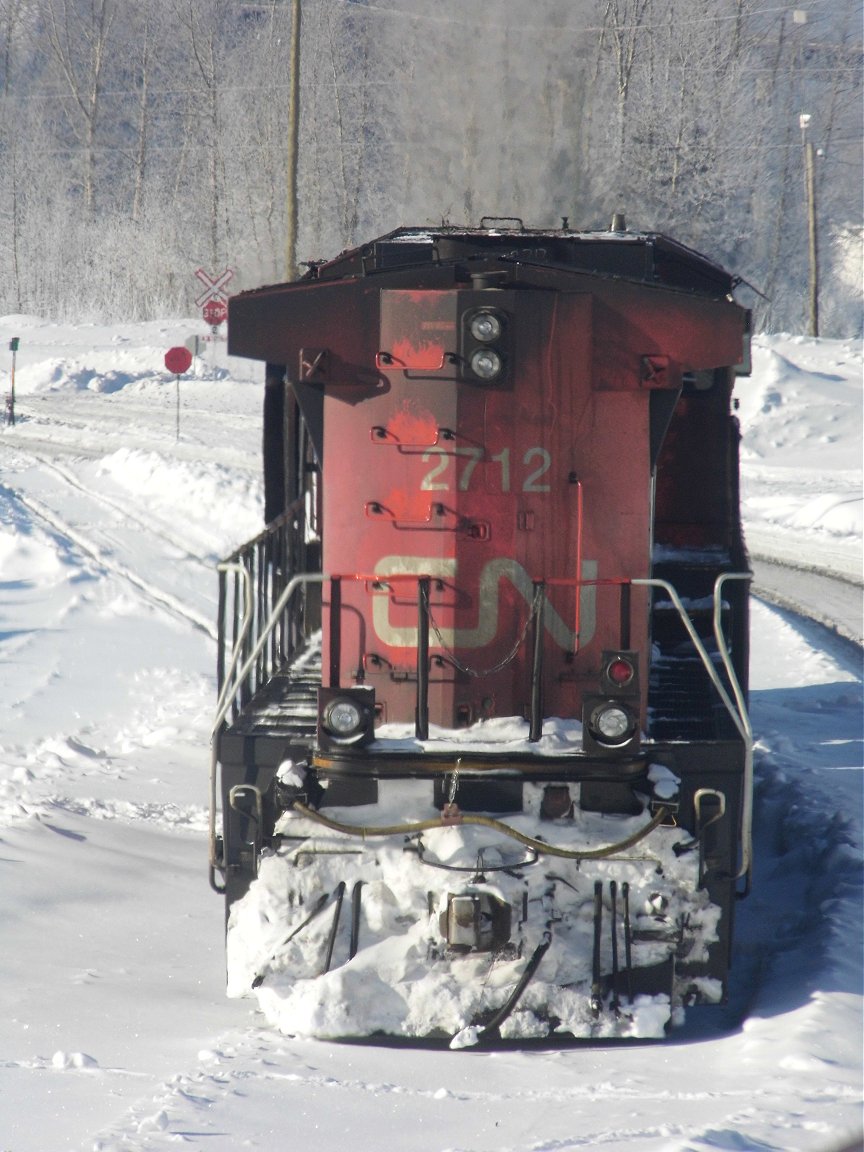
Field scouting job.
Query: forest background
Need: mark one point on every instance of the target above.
(142, 140)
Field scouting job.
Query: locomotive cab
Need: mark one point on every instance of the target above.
(498, 613)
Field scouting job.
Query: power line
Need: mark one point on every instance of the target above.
(361, 145)
(402, 82)
(520, 27)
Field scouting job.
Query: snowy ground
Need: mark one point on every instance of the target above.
(114, 1032)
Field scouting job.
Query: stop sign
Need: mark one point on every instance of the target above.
(177, 360)
(215, 311)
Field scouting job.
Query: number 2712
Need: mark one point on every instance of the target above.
(535, 464)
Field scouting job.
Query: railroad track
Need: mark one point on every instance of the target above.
(109, 533)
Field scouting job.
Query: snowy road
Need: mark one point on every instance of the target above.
(115, 1035)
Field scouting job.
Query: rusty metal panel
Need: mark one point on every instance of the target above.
(418, 331)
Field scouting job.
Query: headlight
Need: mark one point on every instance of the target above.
(343, 718)
(612, 724)
(486, 335)
(486, 327)
(486, 363)
(346, 718)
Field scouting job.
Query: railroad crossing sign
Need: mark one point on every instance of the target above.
(213, 288)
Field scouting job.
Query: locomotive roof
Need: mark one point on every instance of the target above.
(646, 257)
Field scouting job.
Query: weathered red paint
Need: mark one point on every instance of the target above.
(487, 487)
(473, 475)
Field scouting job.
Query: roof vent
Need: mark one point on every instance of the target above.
(618, 222)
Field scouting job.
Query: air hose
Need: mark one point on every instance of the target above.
(539, 846)
(492, 1030)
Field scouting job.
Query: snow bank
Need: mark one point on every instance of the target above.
(801, 464)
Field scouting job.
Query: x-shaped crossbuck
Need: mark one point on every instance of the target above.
(214, 287)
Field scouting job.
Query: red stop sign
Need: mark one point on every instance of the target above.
(177, 360)
(215, 312)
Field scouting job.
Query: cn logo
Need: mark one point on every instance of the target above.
(486, 629)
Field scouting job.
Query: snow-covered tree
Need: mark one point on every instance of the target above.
(139, 142)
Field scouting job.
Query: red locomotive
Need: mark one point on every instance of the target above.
(486, 665)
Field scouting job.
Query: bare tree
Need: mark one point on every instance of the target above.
(78, 38)
(203, 23)
(141, 154)
(13, 185)
(142, 140)
(623, 33)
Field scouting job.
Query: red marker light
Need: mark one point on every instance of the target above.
(620, 671)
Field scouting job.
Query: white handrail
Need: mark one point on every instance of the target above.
(234, 677)
(736, 708)
(722, 647)
(225, 695)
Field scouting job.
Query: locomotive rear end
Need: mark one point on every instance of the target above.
(482, 752)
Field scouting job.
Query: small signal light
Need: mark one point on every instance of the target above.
(486, 326)
(486, 363)
(620, 671)
(610, 727)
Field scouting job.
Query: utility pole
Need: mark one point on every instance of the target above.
(293, 138)
(812, 243)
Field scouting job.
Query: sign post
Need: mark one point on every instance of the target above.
(213, 302)
(178, 360)
(10, 399)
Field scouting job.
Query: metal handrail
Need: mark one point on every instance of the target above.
(260, 569)
(254, 624)
(723, 649)
(235, 680)
(736, 708)
(233, 685)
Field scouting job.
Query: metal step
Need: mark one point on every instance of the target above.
(287, 705)
(682, 701)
